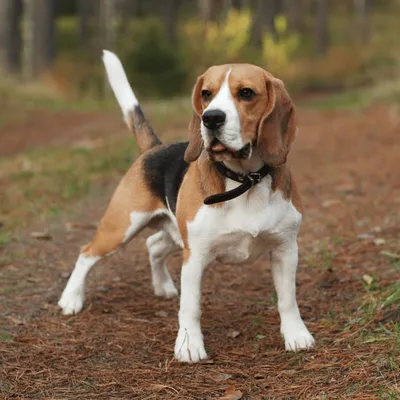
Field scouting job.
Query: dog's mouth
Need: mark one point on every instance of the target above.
(217, 150)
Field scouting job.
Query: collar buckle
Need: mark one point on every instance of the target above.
(255, 177)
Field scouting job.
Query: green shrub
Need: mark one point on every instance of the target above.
(155, 68)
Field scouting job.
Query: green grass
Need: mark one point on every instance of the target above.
(6, 337)
(44, 182)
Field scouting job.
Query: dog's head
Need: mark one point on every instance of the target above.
(240, 109)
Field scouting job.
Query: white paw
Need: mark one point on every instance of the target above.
(189, 346)
(166, 289)
(71, 302)
(297, 337)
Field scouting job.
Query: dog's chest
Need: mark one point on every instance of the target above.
(244, 228)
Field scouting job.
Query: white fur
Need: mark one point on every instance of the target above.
(160, 246)
(119, 83)
(73, 296)
(258, 222)
(230, 132)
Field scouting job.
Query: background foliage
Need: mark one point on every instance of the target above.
(314, 45)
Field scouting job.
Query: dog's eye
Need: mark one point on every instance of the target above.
(246, 94)
(206, 95)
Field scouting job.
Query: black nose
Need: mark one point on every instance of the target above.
(213, 119)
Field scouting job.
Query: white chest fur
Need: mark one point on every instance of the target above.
(244, 228)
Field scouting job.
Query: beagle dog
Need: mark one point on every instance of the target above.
(225, 195)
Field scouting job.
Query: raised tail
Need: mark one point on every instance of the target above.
(133, 114)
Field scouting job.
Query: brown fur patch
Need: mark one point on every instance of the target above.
(131, 195)
(282, 180)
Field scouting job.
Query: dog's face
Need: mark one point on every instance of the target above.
(239, 109)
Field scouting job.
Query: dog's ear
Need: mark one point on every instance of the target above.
(195, 146)
(278, 124)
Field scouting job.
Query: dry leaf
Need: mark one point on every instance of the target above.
(368, 279)
(328, 203)
(365, 236)
(41, 235)
(233, 334)
(17, 321)
(158, 386)
(222, 377)
(232, 394)
(70, 226)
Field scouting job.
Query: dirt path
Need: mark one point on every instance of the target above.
(121, 345)
(43, 128)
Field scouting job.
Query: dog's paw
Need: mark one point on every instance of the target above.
(71, 302)
(166, 289)
(189, 346)
(297, 337)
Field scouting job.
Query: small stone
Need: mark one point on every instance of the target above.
(102, 289)
(365, 236)
(161, 313)
(233, 334)
(116, 279)
(379, 241)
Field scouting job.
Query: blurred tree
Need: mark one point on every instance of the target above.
(39, 36)
(205, 8)
(362, 11)
(322, 27)
(171, 13)
(108, 21)
(264, 15)
(84, 14)
(294, 12)
(10, 35)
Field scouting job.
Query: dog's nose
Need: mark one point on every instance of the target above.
(213, 119)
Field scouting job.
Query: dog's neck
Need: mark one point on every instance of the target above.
(244, 166)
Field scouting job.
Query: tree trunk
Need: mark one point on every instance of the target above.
(108, 16)
(10, 35)
(271, 11)
(361, 9)
(322, 28)
(205, 8)
(263, 19)
(84, 13)
(171, 19)
(39, 40)
(294, 11)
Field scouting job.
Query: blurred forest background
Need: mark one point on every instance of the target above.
(313, 45)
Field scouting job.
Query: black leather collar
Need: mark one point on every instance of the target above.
(247, 182)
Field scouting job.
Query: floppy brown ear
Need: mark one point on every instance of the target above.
(195, 146)
(278, 125)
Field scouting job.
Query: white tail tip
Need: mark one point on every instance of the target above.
(119, 82)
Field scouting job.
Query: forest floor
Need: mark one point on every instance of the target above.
(57, 173)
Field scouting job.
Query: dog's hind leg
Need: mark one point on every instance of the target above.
(130, 210)
(160, 246)
(107, 240)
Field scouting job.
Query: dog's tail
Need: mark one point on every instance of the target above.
(133, 114)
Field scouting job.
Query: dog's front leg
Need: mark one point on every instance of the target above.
(189, 345)
(284, 264)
